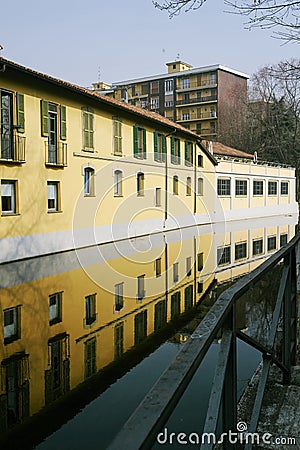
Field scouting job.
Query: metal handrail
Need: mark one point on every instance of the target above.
(12, 149)
(142, 428)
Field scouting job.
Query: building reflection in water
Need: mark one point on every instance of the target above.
(65, 317)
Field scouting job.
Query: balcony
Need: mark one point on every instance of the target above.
(196, 116)
(13, 149)
(195, 85)
(56, 154)
(210, 98)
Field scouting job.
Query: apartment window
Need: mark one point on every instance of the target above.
(157, 267)
(240, 251)
(90, 362)
(53, 126)
(223, 186)
(200, 186)
(159, 147)
(185, 116)
(119, 300)
(88, 128)
(119, 340)
(283, 239)
(140, 184)
(272, 187)
(117, 135)
(144, 104)
(154, 103)
(188, 154)
(271, 243)
(175, 305)
(89, 177)
(240, 188)
(200, 161)
(175, 185)
(158, 197)
(118, 177)
(145, 89)
(189, 266)
(213, 112)
(175, 272)
(139, 142)
(53, 196)
(200, 261)
(189, 186)
(8, 197)
(223, 255)
(169, 85)
(175, 150)
(90, 309)
(169, 103)
(160, 315)
(188, 298)
(141, 287)
(140, 327)
(55, 308)
(257, 247)
(11, 324)
(186, 83)
(213, 78)
(284, 188)
(154, 87)
(258, 187)
(12, 147)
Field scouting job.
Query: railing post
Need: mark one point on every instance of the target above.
(230, 382)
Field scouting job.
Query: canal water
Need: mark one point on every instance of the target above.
(86, 333)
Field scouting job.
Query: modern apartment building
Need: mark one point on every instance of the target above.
(204, 100)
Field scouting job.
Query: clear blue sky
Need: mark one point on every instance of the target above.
(129, 38)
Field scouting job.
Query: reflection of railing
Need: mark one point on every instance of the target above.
(142, 428)
(13, 149)
(56, 155)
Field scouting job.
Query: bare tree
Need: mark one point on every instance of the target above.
(280, 15)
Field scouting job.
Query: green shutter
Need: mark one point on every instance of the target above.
(164, 148)
(20, 112)
(63, 122)
(186, 153)
(44, 117)
(155, 136)
(135, 142)
(88, 128)
(144, 144)
(173, 159)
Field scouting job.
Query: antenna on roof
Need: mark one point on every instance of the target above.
(99, 73)
(177, 57)
(1, 48)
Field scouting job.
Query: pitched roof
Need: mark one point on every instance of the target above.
(224, 150)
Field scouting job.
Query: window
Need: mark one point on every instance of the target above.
(90, 363)
(257, 247)
(199, 287)
(119, 300)
(200, 161)
(223, 255)
(223, 186)
(186, 83)
(175, 272)
(200, 186)
(213, 112)
(118, 176)
(240, 250)
(12, 145)
(213, 78)
(11, 324)
(272, 187)
(258, 187)
(283, 239)
(141, 287)
(140, 327)
(57, 375)
(88, 128)
(284, 188)
(55, 308)
(117, 135)
(144, 104)
(188, 298)
(159, 147)
(175, 150)
(185, 116)
(90, 309)
(140, 184)
(157, 196)
(189, 266)
(8, 197)
(154, 103)
(119, 340)
(169, 85)
(160, 315)
(89, 177)
(139, 142)
(53, 126)
(189, 186)
(175, 305)
(154, 87)
(188, 154)
(200, 261)
(157, 267)
(175, 185)
(53, 196)
(240, 188)
(271, 243)
(145, 89)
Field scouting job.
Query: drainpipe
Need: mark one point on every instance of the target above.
(166, 178)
